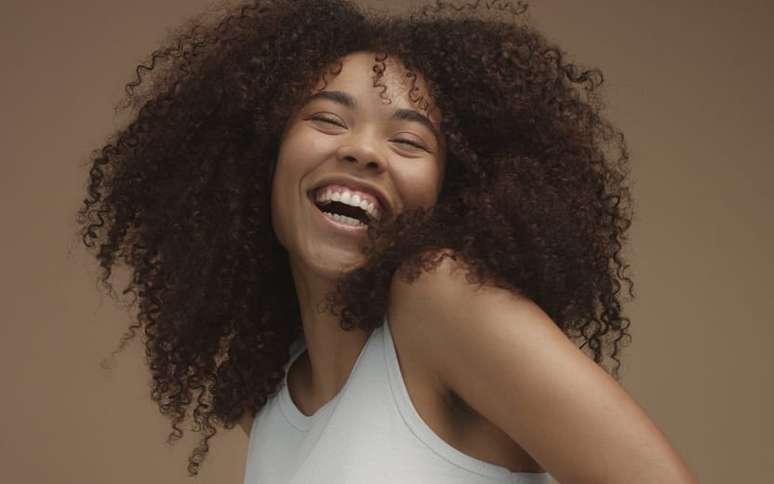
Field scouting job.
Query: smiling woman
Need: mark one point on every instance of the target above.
(347, 141)
(388, 247)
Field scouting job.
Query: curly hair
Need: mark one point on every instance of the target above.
(534, 197)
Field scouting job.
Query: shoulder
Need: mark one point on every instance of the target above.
(450, 316)
(246, 422)
(484, 344)
(510, 363)
(447, 290)
(449, 276)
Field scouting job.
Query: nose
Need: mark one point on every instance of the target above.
(363, 151)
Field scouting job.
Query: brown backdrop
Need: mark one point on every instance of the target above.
(690, 84)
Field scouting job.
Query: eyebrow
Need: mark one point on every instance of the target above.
(347, 100)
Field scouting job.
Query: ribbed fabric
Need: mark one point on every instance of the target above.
(370, 433)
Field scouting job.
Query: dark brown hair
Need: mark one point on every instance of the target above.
(534, 196)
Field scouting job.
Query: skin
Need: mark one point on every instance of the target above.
(365, 144)
(518, 370)
(572, 417)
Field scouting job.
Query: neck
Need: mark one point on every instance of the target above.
(331, 351)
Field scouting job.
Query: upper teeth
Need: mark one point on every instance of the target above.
(349, 198)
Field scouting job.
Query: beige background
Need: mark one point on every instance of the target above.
(690, 84)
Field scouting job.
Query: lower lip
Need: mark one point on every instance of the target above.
(351, 229)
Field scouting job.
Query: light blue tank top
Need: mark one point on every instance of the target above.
(370, 433)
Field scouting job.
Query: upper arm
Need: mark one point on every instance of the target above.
(510, 362)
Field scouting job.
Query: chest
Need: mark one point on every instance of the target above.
(447, 415)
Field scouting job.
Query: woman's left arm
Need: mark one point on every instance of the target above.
(508, 360)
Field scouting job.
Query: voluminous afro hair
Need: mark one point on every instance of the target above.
(534, 197)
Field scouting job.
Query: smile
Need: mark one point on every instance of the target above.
(345, 225)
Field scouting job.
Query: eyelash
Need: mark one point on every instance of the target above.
(320, 118)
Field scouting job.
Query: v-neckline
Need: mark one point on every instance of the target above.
(298, 418)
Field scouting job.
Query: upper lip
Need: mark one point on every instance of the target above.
(359, 185)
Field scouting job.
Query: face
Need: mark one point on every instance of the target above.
(344, 135)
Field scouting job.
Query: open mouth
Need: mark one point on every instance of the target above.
(343, 214)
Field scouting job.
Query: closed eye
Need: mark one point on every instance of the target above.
(405, 141)
(331, 121)
(327, 120)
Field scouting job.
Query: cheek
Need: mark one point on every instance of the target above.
(302, 150)
(420, 188)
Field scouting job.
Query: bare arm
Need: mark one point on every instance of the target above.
(507, 359)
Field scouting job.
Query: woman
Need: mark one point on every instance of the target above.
(374, 242)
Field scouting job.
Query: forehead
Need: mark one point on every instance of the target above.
(397, 87)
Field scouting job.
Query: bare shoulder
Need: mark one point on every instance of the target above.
(442, 309)
(512, 364)
(448, 289)
(447, 308)
(449, 276)
(246, 423)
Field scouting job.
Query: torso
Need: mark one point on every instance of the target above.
(446, 414)
(454, 421)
